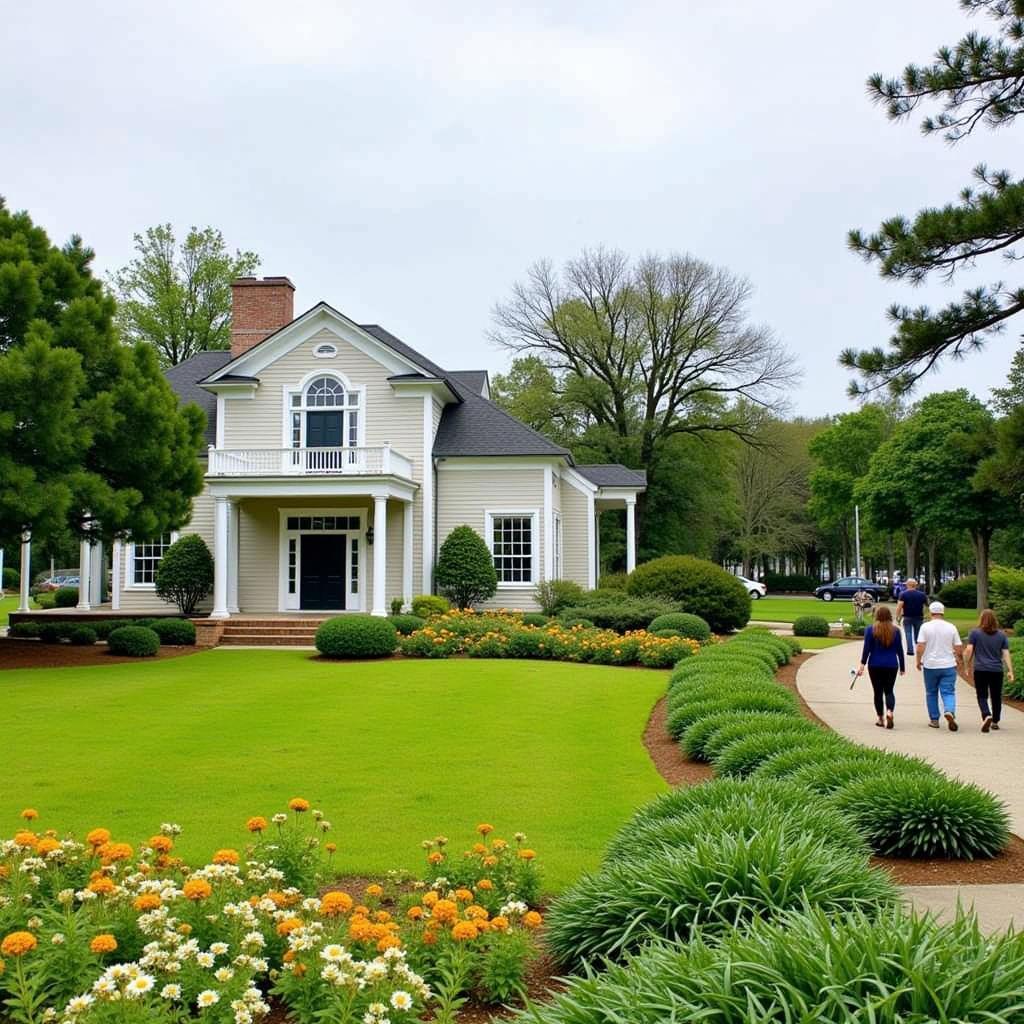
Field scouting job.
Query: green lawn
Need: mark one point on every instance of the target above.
(788, 609)
(820, 643)
(393, 752)
(7, 605)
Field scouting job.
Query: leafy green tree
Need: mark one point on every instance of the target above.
(465, 571)
(91, 437)
(178, 298)
(1005, 400)
(979, 81)
(930, 475)
(185, 573)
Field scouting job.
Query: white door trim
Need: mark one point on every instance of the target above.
(355, 599)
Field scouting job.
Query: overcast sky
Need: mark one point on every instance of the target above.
(407, 162)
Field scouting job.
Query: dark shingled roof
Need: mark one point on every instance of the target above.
(183, 378)
(613, 475)
(475, 379)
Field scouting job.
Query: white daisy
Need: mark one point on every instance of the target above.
(401, 1000)
(207, 998)
(171, 992)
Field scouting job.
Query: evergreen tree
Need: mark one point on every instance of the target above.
(979, 81)
(1005, 400)
(465, 571)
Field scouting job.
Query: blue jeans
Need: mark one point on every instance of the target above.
(940, 681)
(911, 627)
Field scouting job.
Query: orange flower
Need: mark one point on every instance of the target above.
(330, 847)
(490, 861)
(147, 901)
(25, 838)
(436, 857)
(485, 829)
(298, 805)
(374, 890)
(288, 957)
(360, 929)
(46, 845)
(30, 814)
(527, 854)
(445, 910)
(110, 853)
(499, 923)
(414, 913)
(299, 970)
(463, 895)
(531, 919)
(388, 942)
(335, 903)
(98, 836)
(160, 844)
(288, 925)
(499, 844)
(185, 929)
(18, 944)
(476, 913)
(464, 931)
(429, 898)
(486, 884)
(102, 885)
(429, 938)
(256, 824)
(225, 857)
(196, 889)
(479, 848)
(360, 910)
(104, 943)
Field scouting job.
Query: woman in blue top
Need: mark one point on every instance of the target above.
(883, 655)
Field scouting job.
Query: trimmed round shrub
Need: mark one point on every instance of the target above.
(614, 912)
(921, 815)
(465, 571)
(535, 619)
(11, 578)
(356, 636)
(684, 624)
(406, 624)
(794, 645)
(52, 632)
(665, 634)
(82, 636)
(133, 642)
(104, 627)
(65, 597)
(24, 630)
(702, 588)
(811, 625)
(145, 623)
(176, 632)
(46, 599)
(185, 573)
(961, 593)
(426, 605)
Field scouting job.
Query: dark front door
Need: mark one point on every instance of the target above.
(322, 582)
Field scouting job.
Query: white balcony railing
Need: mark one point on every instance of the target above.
(379, 461)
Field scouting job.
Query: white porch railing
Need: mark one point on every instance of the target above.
(378, 461)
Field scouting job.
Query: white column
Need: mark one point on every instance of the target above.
(630, 534)
(597, 547)
(407, 508)
(591, 543)
(96, 571)
(427, 492)
(84, 562)
(115, 575)
(26, 570)
(549, 524)
(220, 559)
(233, 549)
(380, 554)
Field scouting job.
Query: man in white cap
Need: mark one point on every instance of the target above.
(939, 652)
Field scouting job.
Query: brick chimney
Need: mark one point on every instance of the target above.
(258, 308)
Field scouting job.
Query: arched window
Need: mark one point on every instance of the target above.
(325, 414)
(326, 391)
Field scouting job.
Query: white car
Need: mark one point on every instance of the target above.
(754, 589)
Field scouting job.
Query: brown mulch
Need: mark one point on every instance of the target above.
(678, 770)
(35, 654)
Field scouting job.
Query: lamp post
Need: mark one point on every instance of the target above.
(856, 537)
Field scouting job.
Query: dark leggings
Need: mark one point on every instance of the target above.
(883, 682)
(989, 684)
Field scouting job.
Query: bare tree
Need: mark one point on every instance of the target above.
(653, 349)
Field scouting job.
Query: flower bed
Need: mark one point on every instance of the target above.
(100, 931)
(505, 635)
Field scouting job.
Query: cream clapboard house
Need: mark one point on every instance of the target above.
(339, 459)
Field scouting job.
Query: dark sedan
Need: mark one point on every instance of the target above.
(848, 586)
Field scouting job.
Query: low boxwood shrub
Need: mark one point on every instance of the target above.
(700, 587)
(104, 627)
(24, 630)
(46, 599)
(535, 619)
(65, 597)
(53, 632)
(665, 634)
(625, 905)
(921, 815)
(554, 595)
(685, 624)
(133, 642)
(961, 593)
(794, 645)
(811, 625)
(145, 623)
(356, 636)
(425, 605)
(619, 611)
(576, 621)
(406, 624)
(176, 632)
(82, 636)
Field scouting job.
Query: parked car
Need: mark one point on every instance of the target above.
(754, 589)
(848, 586)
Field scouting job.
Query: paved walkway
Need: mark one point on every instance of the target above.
(993, 760)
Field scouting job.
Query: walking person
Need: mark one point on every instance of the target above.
(883, 656)
(910, 610)
(986, 655)
(939, 652)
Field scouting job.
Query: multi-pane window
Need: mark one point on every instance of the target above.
(325, 391)
(323, 523)
(293, 557)
(146, 558)
(512, 547)
(557, 536)
(354, 582)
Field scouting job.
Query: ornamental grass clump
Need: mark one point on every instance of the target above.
(683, 716)
(696, 735)
(716, 884)
(742, 756)
(356, 636)
(920, 815)
(857, 764)
(811, 750)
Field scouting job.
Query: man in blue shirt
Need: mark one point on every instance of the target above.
(911, 610)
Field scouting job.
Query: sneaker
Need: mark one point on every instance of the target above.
(951, 721)
(933, 724)
(986, 724)
(995, 725)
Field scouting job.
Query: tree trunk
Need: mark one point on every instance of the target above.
(930, 579)
(891, 551)
(912, 538)
(982, 539)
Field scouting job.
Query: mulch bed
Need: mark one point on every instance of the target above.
(35, 654)
(678, 770)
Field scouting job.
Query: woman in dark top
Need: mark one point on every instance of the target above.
(985, 656)
(883, 655)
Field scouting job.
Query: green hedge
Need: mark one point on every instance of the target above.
(176, 632)
(811, 625)
(356, 636)
(24, 630)
(961, 593)
(406, 624)
(82, 636)
(618, 611)
(425, 605)
(65, 597)
(133, 642)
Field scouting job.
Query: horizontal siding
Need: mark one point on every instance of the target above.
(575, 550)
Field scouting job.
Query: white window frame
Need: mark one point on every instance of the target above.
(556, 540)
(129, 566)
(522, 513)
(287, 438)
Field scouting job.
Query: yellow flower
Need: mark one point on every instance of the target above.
(464, 931)
(531, 919)
(499, 923)
(429, 899)
(374, 890)
(25, 838)
(445, 911)
(109, 853)
(102, 885)
(46, 845)
(256, 824)
(330, 847)
(104, 943)
(18, 944)
(30, 814)
(196, 889)
(414, 913)
(98, 836)
(225, 857)
(485, 829)
(160, 844)
(335, 903)
(527, 854)
(435, 857)
(288, 925)
(298, 804)
(486, 884)
(147, 901)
